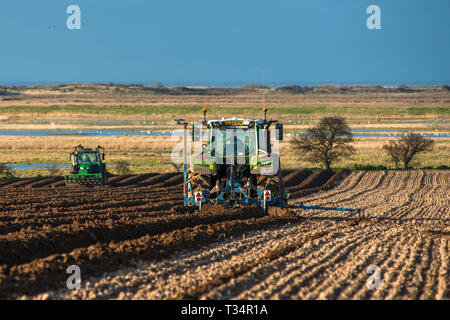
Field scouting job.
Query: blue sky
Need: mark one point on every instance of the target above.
(225, 42)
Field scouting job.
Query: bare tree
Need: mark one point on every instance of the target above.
(394, 152)
(406, 148)
(327, 142)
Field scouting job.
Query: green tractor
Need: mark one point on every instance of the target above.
(236, 165)
(88, 167)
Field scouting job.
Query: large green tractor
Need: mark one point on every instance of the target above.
(234, 163)
(88, 167)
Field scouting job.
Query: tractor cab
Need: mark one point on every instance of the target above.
(236, 141)
(228, 141)
(88, 157)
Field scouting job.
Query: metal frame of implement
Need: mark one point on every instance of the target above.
(244, 199)
(359, 212)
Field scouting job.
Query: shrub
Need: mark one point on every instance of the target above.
(406, 148)
(5, 173)
(253, 86)
(122, 167)
(368, 167)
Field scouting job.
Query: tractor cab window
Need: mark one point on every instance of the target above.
(88, 158)
(237, 142)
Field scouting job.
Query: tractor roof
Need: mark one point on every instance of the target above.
(232, 122)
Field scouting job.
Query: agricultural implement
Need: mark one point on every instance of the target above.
(88, 168)
(358, 212)
(236, 162)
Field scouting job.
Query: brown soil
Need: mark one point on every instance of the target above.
(296, 177)
(45, 227)
(139, 221)
(314, 180)
(323, 181)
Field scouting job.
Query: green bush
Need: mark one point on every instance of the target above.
(5, 173)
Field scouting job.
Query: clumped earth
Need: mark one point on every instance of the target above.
(133, 239)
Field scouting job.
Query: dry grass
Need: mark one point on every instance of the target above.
(152, 154)
(61, 143)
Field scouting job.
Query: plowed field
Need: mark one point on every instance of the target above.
(134, 239)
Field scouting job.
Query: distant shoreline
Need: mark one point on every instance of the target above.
(159, 88)
(229, 84)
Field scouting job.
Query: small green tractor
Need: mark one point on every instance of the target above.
(88, 168)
